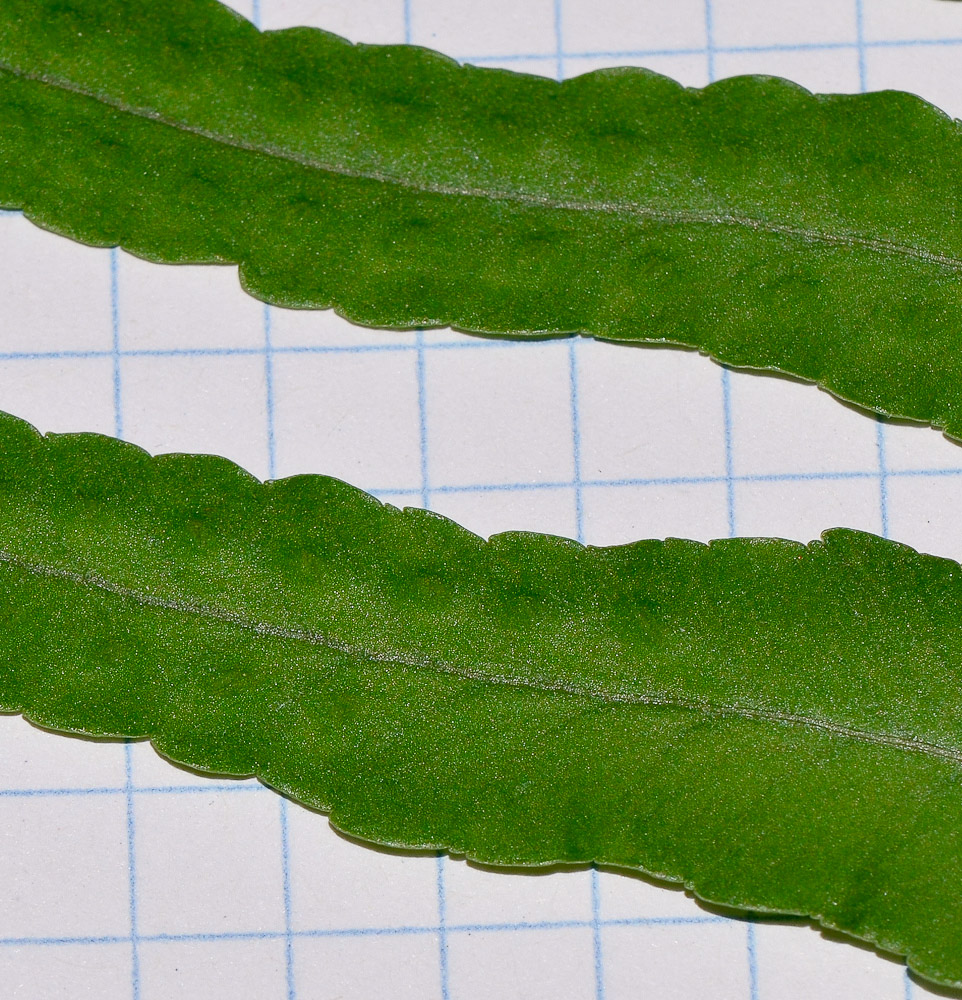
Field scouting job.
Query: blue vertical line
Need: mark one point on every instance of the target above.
(558, 42)
(271, 473)
(752, 962)
(572, 344)
(860, 45)
(268, 347)
(115, 344)
(725, 374)
(128, 753)
(576, 440)
(596, 934)
(442, 928)
(269, 395)
(576, 482)
(132, 874)
(419, 348)
(423, 420)
(572, 355)
(710, 40)
(729, 449)
(288, 926)
(883, 486)
(883, 477)
(426, 503)
(909, 991)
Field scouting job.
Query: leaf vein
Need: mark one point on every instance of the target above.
(647, 213)
(483, 673)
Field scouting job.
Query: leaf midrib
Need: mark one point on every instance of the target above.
(91, 580)
(679, 217)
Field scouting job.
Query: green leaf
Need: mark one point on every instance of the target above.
(752, 220)
(776, 725)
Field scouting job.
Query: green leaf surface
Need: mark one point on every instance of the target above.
(770, 228)
(775, 724)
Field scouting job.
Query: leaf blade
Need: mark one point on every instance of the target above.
(750, 220)
(524, 700)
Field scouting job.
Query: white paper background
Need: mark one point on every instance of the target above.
(121, 876)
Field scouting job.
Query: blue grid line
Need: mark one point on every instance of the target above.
(132, 876)
(655, 481)
(33, 793)
(860, 45)
(753, 992)
(729, 448)
(115, 345)
(576, 484)
(425, 491)
(596, 926)
(268, 351)
(443, 929)
(605, 54)
(423, 422)
(394, 930)
(468, 343)
(132, 901)
(879, 426)
(710, 41)
(578, 497)
(286, 876)
(746, 477)
(270, 418)
(559, 49)
(205, 789)
(883, 472)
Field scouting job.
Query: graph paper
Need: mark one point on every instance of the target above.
(122, 876)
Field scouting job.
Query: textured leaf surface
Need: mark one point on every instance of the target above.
(773, 723)
(761, 224)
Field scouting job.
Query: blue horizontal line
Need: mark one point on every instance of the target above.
(33, 793)
(334, 932)
(770, 477)
(21, 942)
(895, 43)
(716, 49)
(243, 785)
(922, 472)
(52, 355)
(468, 343)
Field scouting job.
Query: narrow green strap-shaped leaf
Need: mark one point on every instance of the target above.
(777, 725)
(752, 220)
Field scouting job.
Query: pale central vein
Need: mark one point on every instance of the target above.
(482, 672)
(675, 217)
